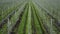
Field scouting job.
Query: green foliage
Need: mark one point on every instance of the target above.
(29, 17)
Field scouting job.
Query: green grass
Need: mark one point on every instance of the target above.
(28, 24)
(23, 21)
(35, 18)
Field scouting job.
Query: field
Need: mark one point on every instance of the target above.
(29, 16)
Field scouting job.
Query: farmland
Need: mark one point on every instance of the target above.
(29, 17)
